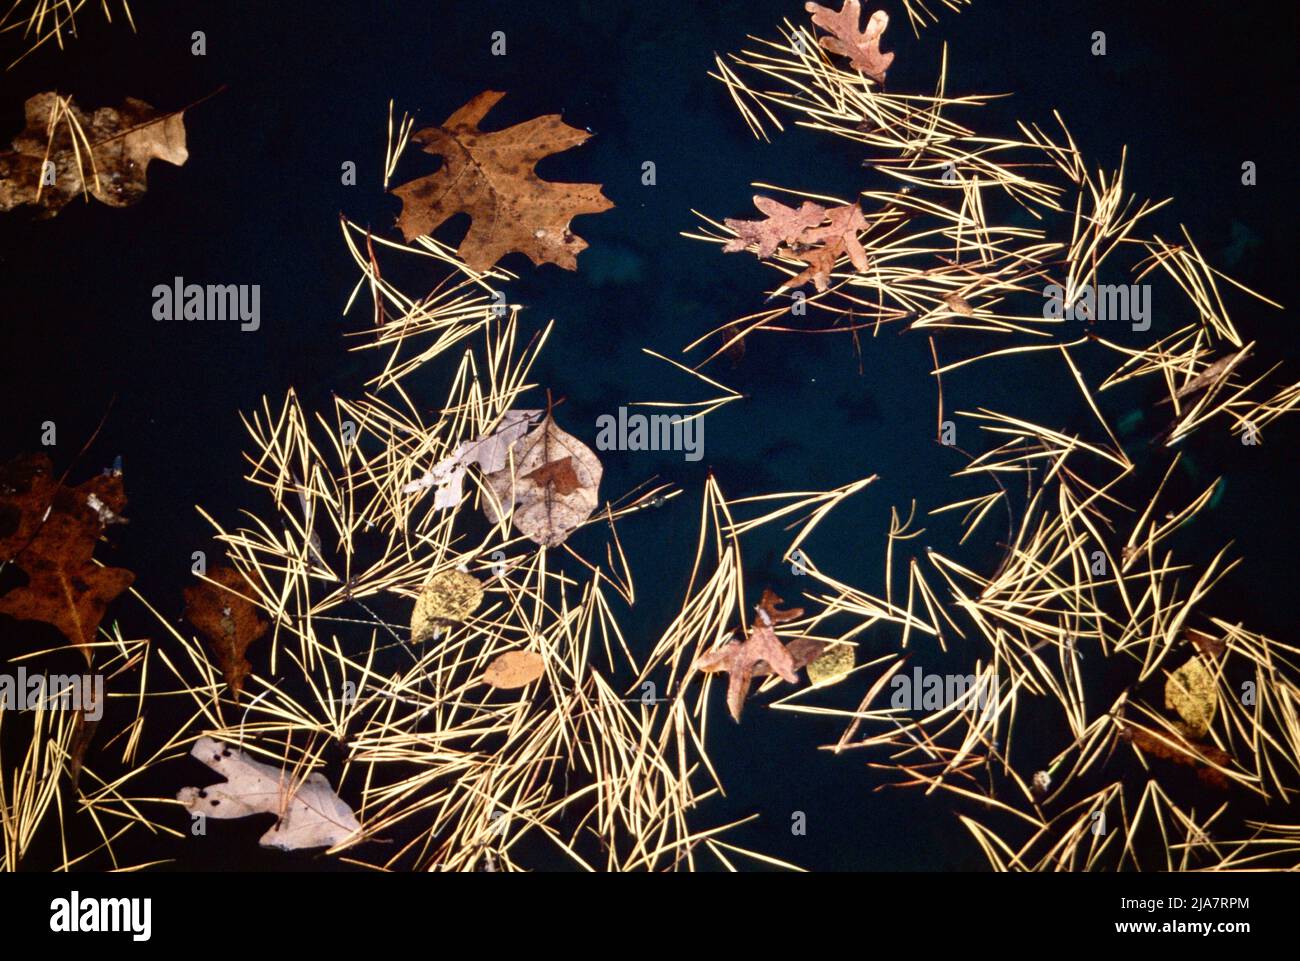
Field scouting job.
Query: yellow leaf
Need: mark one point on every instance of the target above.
(1191, 692)
(835, 662)
(448, 598)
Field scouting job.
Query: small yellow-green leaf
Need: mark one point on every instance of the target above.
(1191, 692)
(832, 666)
(450, 597)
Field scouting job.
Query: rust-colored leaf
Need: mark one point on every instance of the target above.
(222, 613)
(490, 176)
(862, 47)
(759, 654)
(514, 669)
(782, 225)
(827, 244)
(558, 473)
(1193, 754)
(49, 531)
(50, 164)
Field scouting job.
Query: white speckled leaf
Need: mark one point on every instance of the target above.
(310, 814)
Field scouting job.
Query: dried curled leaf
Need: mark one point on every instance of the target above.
(449, 597)
(814, 234)
(1191, 692)
(553, 487)
(862, 47)
(490, 176)
(49, 531)
(222, 613)
(1181, 751)
(514, 669)
(489, 451)
(782, 225)
(760, 653)
(62, 153)
(309, 814)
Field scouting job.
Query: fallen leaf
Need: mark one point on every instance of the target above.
(827, 244)
(229, 621)
(449, 597)
(833, 665)
(49, 531)
(552, 488)
(558, 473)
(514, 669)
(309, 814)
(1209, 645)
(122, 141)
(83, 733)
(958, 304)
(1187, 753)
(490, 177)
(862, 47)
(489, 452)
(1191, 692)
(782, 225)
(742, 660)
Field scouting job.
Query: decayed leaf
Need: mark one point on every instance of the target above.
(449, 597)
(860, 46)
(228, 621)
(831, 666)
(489, 452)
(309, 813)
(49, 531)
(1208, 644)
(552, 487)
(490, 177)
(759, 654)
(782, 225)
(814, 234)
(82, 735)
(1187, 753)
(106, 154)
(828, 243)
(1191, 692)
(514, 669)
(958, 304)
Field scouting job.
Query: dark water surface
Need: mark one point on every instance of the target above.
(1194, 89)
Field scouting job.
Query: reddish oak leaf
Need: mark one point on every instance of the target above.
(490, 177)
(827, 244)
(49, 531)
(222, 613)
(783, 225)
(862, 47)
(759, 654)
(558, 473)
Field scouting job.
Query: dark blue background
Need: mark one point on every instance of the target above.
(1193, 88)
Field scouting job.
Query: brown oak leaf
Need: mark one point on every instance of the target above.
(827, 244)
(862, 47)
(782, 225)
(489, 175)
(50, 167)
(222, 613)
(760, 654)
(49, 531)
